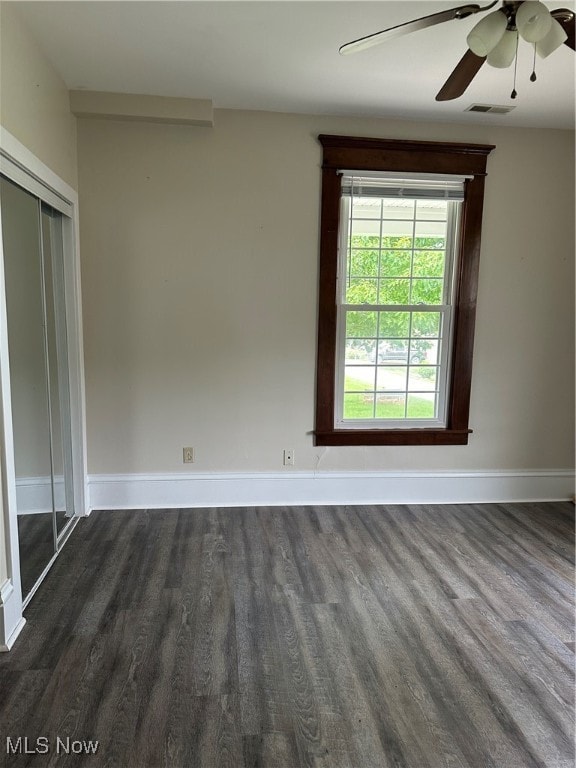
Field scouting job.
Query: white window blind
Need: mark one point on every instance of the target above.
(421, 187)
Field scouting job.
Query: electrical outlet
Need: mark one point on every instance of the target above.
(288, 457)
(188, 455)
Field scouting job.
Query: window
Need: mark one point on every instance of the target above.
(400, 239)
(395, 295)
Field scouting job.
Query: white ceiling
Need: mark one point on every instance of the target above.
(283, 56)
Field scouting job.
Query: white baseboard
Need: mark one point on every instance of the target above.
(153, 491)
(11, 619)
(34, 495)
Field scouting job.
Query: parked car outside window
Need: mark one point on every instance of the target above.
(399, 352)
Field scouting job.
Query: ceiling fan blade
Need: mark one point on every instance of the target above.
(566, 19)
(462, 12)
(463, 74)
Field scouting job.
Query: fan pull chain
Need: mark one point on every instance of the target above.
(514, 91)
(533, 75)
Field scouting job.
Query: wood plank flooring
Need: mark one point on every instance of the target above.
(325, 637)
(36, 538)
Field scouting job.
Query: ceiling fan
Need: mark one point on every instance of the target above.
(494, 39)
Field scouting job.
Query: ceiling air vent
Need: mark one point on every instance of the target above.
(492, 108)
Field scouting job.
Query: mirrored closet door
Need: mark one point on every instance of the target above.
(40, 394)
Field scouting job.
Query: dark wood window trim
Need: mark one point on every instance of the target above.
(345, 152)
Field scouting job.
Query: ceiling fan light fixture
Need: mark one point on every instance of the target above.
(493, 40)
(553, 40)
(486, 35)
(533, 21)
(503, 55)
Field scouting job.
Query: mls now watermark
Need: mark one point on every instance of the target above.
(22, 745)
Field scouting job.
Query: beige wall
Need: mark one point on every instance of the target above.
(34, 102)
(199, 258)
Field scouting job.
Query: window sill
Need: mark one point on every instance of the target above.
(393, 437)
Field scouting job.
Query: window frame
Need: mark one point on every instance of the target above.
(395, 155)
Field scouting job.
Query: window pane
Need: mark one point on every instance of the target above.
(361, 324)
(421, 407)
(430, 230)
(398, 230)
(425, 324)
(358, 406)
(392, 241)
(393, 351)
(361, 290)
(431, 209)
(360, 351)
(365, 241)
(366, 207)
(363, 262)
(422, 351)
(427, 291)
(394, 324)
(391, 378)
(396, 208)
(422, 378)
(394, 291)
(365, 227)
(428, 264)
(395, 263)
(359, 379)
(391, 406)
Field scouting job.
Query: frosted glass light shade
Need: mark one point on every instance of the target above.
(503, 55)
(533, 21)
(554, 39)
(487, 33)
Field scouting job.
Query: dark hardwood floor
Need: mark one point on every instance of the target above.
(36, 538)
(335, 637)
